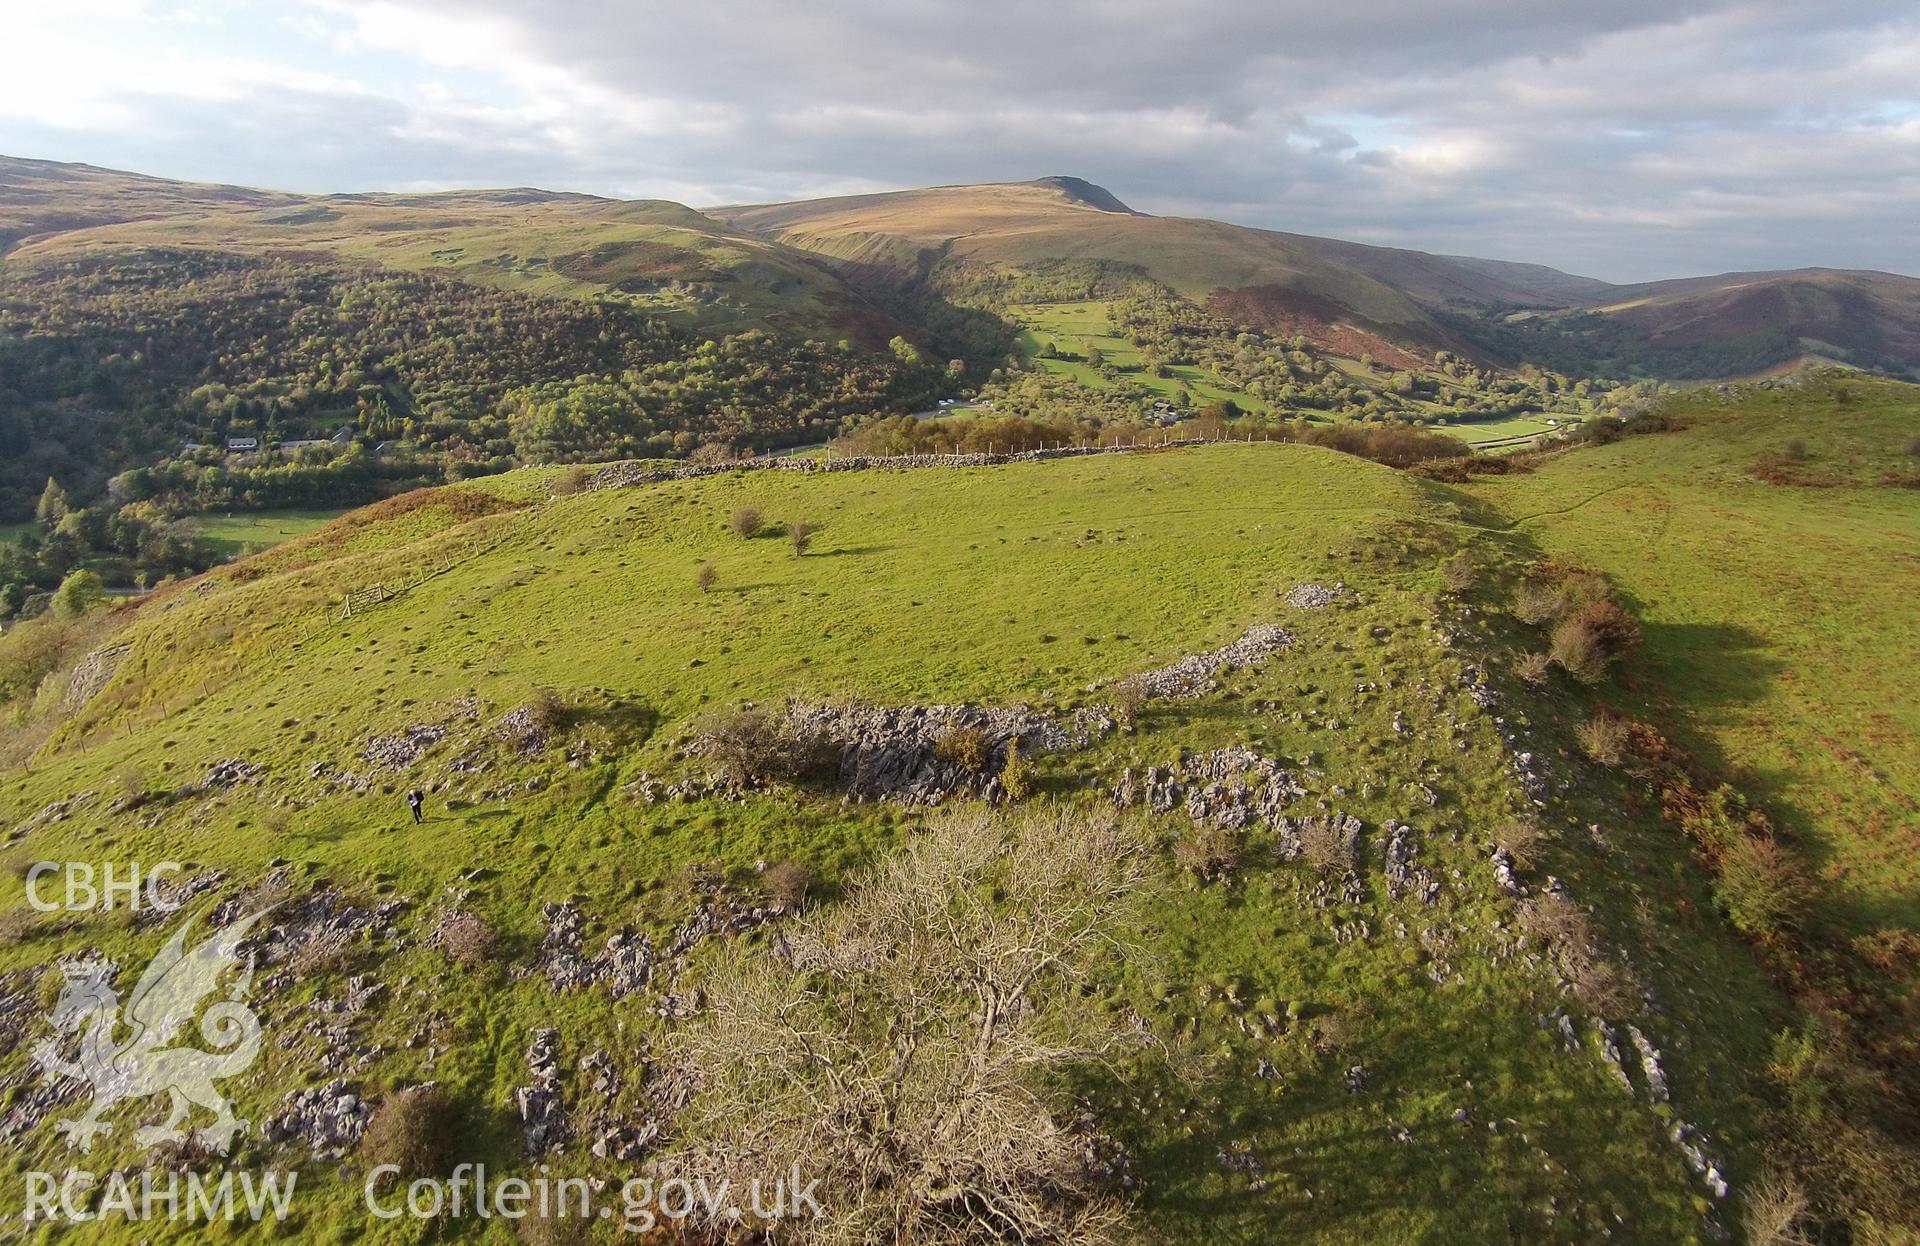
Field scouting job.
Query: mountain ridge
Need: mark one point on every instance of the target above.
(837, 253)
(1405, 298)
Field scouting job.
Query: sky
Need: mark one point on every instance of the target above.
(1623, 139)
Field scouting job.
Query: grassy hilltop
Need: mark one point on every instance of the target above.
(1334, 1065)
(1773, 564)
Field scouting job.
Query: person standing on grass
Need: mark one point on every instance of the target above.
(414, 801)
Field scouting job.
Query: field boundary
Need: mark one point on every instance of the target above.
(622, 475)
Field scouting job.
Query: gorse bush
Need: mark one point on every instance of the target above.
(745, 521)
(706, 576)
(467, 939)
(1129, 700)
(1716, 820)
(1522, 839)
(1533, 668)
(1579, 652)
(1016, 776)
(1763, 888)
(965, 747)
(1604, 738)
(1615, 630)
(413, 1130)
(1591, 630)
(757, 745)
(1774, 1212)
(1210, 854)
(1536, 604)
(785, 884)
(1323, 845)
(547, 711)
(800, 536)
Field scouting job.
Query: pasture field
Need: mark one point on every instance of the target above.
(1480, 433)
(251, 531)
(1073, 327)
(1401, 1030)
(1015, 585)
(1779, 616)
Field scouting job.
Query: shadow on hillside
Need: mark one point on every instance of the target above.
(1703, 670)
(1360, 1152)
(1703, 666)
(632, 723)
(853, 550)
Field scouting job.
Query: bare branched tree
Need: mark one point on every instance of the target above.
(902, 1051)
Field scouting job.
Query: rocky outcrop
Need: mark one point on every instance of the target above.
(313, 929)
(1314, 596)
(92, 674)
(1230, 788)
(1195, 675)
(225, 774)
(397, 752)
(543, 1118)
(623, 966)
(1650, 1065)
(1404, 877)
(328, 1120)
(49, 814)
(894, 752)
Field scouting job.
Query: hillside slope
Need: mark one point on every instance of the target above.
(656, 254)
(1026, 223)
(1773, 588)
(1349, 1037)
(1688, 328)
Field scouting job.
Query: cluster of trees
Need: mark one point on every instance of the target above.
(136, 531)
(1594, 343)
(88, 547)
(1000, 290)
(749, 392)
(1284, 372)
(116, 361)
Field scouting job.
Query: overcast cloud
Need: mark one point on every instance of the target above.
(1628, 139)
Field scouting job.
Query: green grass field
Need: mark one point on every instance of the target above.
(251, 531)
(1008, 585)
(1074, 327)
(1478, 433)
(1775, 614)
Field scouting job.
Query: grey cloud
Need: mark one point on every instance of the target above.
(1633, 139)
